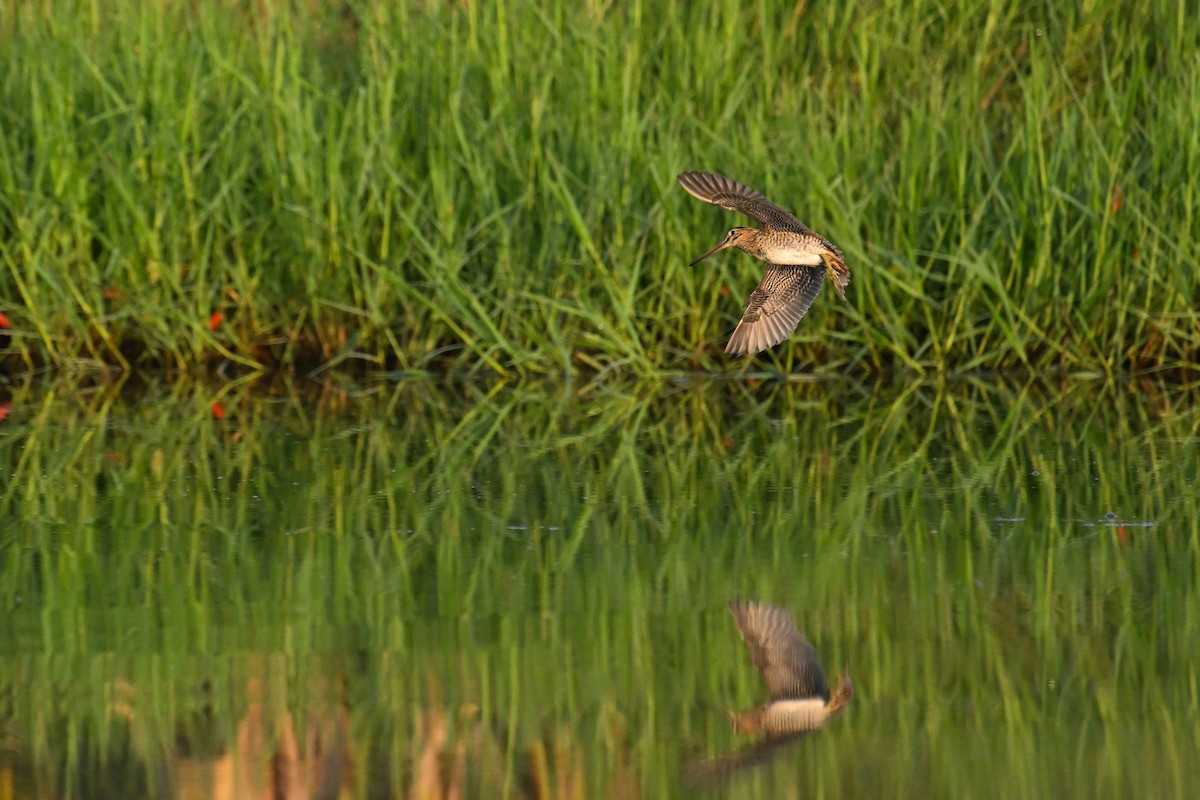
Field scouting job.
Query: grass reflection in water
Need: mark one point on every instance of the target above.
(520, 591)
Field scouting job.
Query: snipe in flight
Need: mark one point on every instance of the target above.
(801, 701)
(800, 696)
(797, 260)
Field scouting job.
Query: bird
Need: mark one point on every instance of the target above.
(801, 700)
(797, 261)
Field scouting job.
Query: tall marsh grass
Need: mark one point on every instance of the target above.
(490, 186)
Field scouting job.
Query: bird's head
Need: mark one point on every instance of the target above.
(735, 238)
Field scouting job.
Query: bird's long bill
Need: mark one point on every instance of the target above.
(716, 249)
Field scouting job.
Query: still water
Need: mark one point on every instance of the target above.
(435, 590)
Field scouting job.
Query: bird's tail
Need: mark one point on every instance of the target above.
(839, 273)
(843, 690)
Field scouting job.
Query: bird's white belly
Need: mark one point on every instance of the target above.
(790, 254)
(796, 715)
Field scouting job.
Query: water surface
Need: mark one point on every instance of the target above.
(519, 591)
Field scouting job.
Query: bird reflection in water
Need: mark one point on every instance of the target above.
(801, 700)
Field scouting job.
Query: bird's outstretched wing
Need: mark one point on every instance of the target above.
(729, 194)
(710, 772)
(786, 660)
(775, 308)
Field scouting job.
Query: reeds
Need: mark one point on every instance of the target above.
(489, 186)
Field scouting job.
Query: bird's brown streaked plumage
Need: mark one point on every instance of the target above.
(797, 261)
(801, 699)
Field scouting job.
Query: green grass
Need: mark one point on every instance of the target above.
(560, 559)
(489, 187)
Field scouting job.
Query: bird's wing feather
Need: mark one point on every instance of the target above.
(776, 307)
(729, 194)
(786, 660)
(710, 772)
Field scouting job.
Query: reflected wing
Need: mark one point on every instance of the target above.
(734, 196)
(775, 308)
(714, 771)
(785, 659)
